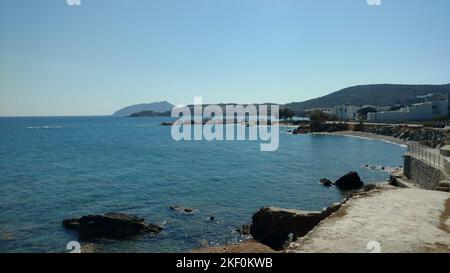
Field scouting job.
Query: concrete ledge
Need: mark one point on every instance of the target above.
(399, 179)
(404, 183)
(445, 151)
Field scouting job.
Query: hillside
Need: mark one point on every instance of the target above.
(381, 94)
(157, 107)
(150, 114)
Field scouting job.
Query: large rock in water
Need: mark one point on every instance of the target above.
(110, 225)
(349, 181)
(272, 226)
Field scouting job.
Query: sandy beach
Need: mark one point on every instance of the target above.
(388, 139)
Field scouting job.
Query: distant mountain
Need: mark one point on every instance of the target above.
(157, 107)
(381, 94)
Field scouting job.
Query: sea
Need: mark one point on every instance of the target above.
(53, 168)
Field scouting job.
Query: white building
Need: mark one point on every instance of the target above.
(345, 112)
(415, 112)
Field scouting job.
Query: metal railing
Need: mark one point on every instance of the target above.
(429, 156)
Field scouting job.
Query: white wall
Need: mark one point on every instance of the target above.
(346, 112)
(422, 111)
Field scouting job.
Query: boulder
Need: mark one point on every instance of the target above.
(182, 209)
(326, 182)
(273, 226)
(244, 229)
(110, 225)
(350, 181)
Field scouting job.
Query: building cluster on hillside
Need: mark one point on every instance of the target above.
(428, 107)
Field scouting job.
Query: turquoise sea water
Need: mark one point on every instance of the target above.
(57, 168)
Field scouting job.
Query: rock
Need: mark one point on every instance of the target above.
(272, 226)
(87, 248)
(326, 182)
(349, 181)
(244, 229)
(182, 209)
(301, 130)
(72, 224)
(110, 225)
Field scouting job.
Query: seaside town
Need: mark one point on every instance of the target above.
(430, 107)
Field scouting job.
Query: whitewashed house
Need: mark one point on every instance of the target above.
(345, 112)
(415, 112)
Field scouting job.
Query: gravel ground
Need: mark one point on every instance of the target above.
(399, 220)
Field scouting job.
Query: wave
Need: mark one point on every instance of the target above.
(146, 125)
(46, 127)
(381, 168)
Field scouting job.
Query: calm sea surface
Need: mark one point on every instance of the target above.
(57, 168)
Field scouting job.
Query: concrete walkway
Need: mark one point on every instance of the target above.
(400, 220)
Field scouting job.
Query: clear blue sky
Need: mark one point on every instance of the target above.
(92, 59)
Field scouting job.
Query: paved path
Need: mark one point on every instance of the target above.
(401, 220)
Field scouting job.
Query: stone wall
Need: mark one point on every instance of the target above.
(423, 174)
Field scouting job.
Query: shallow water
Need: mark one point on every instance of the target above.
(56, 168)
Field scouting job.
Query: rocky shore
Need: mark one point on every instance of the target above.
(387, 220)
(276, 227)
(375, 219)
(370, 213)
(372, 217)
(431, 137)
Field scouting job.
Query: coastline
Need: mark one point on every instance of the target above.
(369, 136)
(253, 246)
(320, 238)
(358, 221)
(383, 218)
